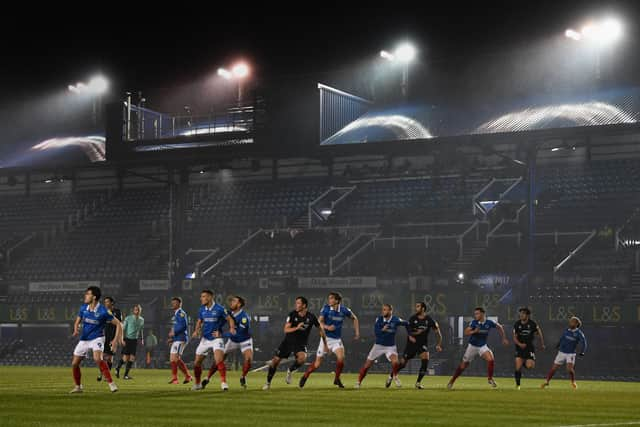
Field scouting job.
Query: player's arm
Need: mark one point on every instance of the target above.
(438, 332)
(503, 335)
(541, 338)
(356, 326)
(288, 329)
(196, 329)
(516, 340)
(324, 326)
(76, 326)
(583, 340)
(117, 339)
(232, 324)
(323, 334)
(471, 329)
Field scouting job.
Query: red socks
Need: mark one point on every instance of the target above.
(183, 368)
(457, 373)
(76, 374)
(212, 370)
(363, 373)
(174, 370)
(309, 370)
(572, 376)
(394, 369)
(245, 368)
(104, 368)
(197, 370)
(339, 367)
(550, 375)
(490, 365)
(223, 372)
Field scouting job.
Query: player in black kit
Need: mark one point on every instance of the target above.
(296, 329)
(110, 333)
(419, 324)
(524, 332)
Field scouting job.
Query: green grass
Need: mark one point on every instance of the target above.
(39, 396)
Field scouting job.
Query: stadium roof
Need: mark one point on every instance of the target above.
(419, 122)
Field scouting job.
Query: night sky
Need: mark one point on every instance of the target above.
(466, 49)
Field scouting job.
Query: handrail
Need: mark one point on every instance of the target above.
(232, 251)
(344, 195)
(511, 187)
(17, 245)
(483, 189)
(575, 251)
(332, 270)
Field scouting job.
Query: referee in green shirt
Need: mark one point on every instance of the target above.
(132, 326)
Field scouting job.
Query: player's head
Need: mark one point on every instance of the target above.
(525, 313)
(334, 298)
(479, 313)
(387, 310)
(301, 303)
(237, 302)
(92, 294)
(421, 307)
(176, 303)
(137, 309)
(206, 296)
(575, 322)
(109, 302)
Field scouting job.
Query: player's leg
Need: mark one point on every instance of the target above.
(572, 374)
(122, 360)
(104, 368)
(395, 367)
(77, 375)
(273, 366)
(339, 352)
(376, 351)
(551, 373)
(470, 353)
(173, 360)
(487, 355)
(301, 357)
(363, 371)
(218, 359)
(229, 347)
(316, 363)
(247, 360)
(517, 374)
(197, 369)
(132, 344)
(181, 365)
(424, 365)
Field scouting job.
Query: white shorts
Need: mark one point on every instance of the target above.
(177, 347)
(231, 346)
(332, 343)
(472, 352)
(379, 350)
(83, 347)
(216, 344)
(562, 358)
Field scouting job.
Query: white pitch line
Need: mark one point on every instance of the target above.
(626, 423)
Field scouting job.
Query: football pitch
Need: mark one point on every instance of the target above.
(39, 397)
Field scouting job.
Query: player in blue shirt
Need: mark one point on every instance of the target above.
(241, 340)
(211, 318)
(178, 339)
(331, 318)
(94, 317)
(385, 329)
(478, 332)
(567, 347)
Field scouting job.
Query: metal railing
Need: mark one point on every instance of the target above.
(142, 123)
